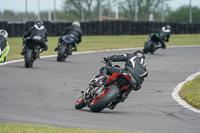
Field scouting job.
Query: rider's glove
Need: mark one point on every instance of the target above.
(105, 59)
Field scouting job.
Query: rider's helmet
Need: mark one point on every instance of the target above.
(76, 24)
(4, 33)
(38, 24)
(139, 53)
(166, 28)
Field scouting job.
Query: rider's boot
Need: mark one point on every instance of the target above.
(118, 100)
(56, 49)
(74, 49)
(24, 47)
(23, 51)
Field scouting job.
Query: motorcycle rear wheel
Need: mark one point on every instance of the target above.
(61, 53)
(104, 100)
(28, 58)
(145, 50)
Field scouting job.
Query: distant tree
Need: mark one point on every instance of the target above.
(73, 9)
(7, 15)
(182, 15)
(145, 8)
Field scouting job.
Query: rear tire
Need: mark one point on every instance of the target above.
(105, 100)
(28, 58)
(70, 50)
(152, 48)
(80, 103)
(61, 53)
(145, 50)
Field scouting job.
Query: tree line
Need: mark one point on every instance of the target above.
(88, 10)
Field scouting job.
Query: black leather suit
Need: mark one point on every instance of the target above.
(134, 66)
(42, 32)
(163, 37)
(76, 33)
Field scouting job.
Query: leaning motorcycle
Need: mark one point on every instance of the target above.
(152, 43)
(65, 48)
(100, 94)
(32, 51)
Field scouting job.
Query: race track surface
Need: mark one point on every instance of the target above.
(46, 93)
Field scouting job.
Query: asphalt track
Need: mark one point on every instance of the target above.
(46, 93)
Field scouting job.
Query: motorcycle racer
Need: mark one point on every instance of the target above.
(75, 33)
(4, 47)
(39, 35)
(164, 35)
(135, 67)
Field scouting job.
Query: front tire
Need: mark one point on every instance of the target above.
(28, 58)
(80, 103)
(101, 102)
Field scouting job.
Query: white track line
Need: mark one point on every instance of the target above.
(84, 52)
(176, 96)
(175, 91)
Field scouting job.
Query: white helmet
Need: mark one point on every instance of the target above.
(166, 28)
(4, 33)
(76, 23)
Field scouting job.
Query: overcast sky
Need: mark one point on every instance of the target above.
(19, 5)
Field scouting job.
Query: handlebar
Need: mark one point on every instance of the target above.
(107, 62)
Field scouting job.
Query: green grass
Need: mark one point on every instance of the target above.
(102, 42)
(190, 92)
(23, 128)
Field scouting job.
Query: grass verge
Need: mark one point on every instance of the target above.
(23, 128)
(190, 92)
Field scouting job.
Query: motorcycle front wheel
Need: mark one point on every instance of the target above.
(101, 102)
(80, 103)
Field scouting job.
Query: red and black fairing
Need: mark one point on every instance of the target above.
(80, 100)
(120, 80)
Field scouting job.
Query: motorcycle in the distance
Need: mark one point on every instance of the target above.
(103, 94)
(65, 48)
(32, 51)
(152, 44)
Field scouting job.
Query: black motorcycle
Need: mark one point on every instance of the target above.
(100, 94)
(152, 43)
(65, 48)
(32, 51)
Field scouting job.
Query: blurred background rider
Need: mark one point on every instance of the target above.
(75, 35)
(4, 47)
(38, 34)
(164, 35)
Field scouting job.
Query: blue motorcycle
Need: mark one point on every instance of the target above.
(65, 48)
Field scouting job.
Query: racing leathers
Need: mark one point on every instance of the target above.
(164, 36)
(135, 67)
(38, 35)
(75, 34)
(4, 48)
